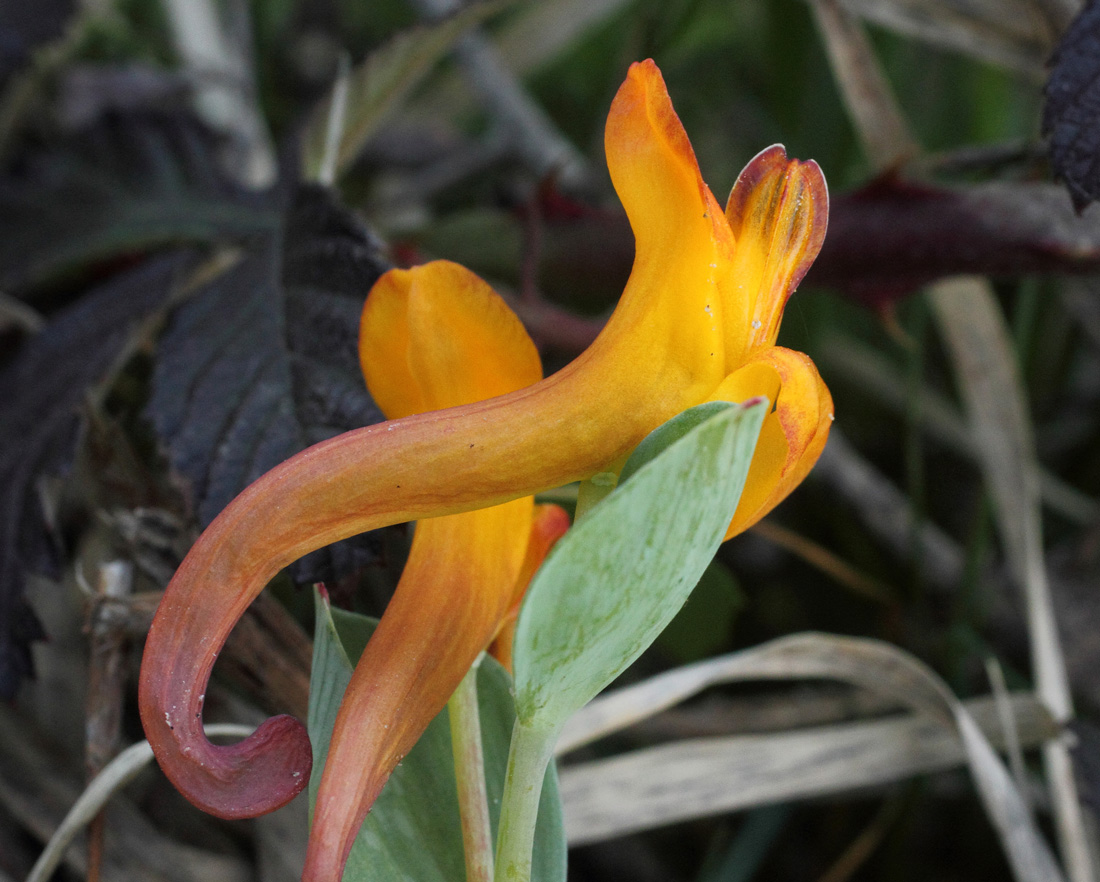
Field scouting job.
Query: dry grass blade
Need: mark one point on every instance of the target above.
(114, 776)
(874, 374)
(376, 85)
(978, 341)
(528, 130)
(1011, 33)
(539, 32)
(40, 782)
(1012, 749)
(16, 315)
(867, 95)
(224, 88)
(535, 34)
(985, 363)
(798, 656)
(870, 664)
(690, 779)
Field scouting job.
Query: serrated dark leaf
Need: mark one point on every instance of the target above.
(126, 184)
(42, 391)
(1071, 114)
(25, 26)
(893, 236)
(264, 362)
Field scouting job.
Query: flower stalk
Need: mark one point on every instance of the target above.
(473, 799)
(528, 758)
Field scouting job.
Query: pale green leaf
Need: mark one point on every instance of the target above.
(667, 433)
(618, 577)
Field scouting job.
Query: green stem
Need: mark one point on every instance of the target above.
(473, 800)
(592, 491)
(528, 757)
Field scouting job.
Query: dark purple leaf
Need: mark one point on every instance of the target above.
(893, 236)
(1071, 114)
(885, 240)
(123, 185)
(264, 362)
(42, 392)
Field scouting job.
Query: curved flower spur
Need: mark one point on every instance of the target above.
(697, 321)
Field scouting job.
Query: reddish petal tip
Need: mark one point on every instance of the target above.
(252, 777)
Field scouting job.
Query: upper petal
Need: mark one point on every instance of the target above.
(669, 317)
(778, 212)
(440, 337)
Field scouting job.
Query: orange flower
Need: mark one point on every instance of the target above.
(697, 321)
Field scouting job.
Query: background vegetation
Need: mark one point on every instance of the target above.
(178, 313)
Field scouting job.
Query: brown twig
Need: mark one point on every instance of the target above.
(824, 560)
(864, 845)
(108, 650)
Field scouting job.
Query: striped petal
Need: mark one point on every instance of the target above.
(778, 212)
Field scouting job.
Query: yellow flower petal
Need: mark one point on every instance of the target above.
(670, 316)
(454, 592)
(434, 338)
(440, 337)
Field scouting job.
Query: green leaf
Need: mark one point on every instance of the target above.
(665, 434)
(413, 831)
(619, 576)
(378, 83)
